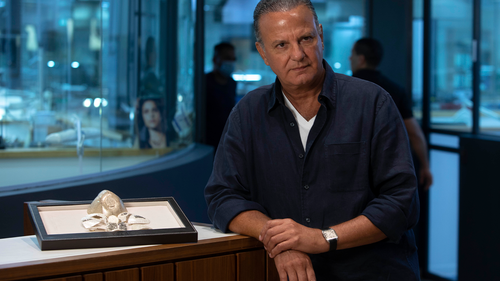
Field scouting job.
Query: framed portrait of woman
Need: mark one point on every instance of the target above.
(151, 127)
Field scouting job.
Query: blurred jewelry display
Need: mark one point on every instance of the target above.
(107, 213)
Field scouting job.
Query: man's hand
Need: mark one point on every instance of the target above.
(425, 178)
(285, 234)
(294, 265)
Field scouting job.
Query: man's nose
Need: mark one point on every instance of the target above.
(297, 52)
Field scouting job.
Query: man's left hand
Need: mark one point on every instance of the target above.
(285, 234)
(425, 178)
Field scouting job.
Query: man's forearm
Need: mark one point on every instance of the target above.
(249, 223)
(357, 232)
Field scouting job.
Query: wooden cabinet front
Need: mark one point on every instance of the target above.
(232, 258)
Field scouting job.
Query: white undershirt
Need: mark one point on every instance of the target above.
(304, 125)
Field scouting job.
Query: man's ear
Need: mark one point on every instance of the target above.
(362, 61)
(320, 31)
(262, 53)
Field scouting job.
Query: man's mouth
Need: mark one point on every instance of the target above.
(299, 68)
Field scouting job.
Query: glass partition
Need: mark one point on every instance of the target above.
(489, 109)
(443, 214)
(451, 82)
(83, 85)
(417, 59)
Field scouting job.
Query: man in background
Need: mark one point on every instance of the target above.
(220, 92)
(366, 56)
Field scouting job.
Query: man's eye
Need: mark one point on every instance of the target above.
(308, 38)
(280, 45)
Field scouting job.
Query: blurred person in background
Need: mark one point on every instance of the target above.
(220, 92)
(365, 58)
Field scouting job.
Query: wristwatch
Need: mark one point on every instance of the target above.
(330, 237)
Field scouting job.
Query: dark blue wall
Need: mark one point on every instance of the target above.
(182, 175)
(391, 24)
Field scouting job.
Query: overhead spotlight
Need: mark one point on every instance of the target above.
(179, 98)
(87, 102)
(97, 102)
(75, 64)
(104, 102)
(337, 65)
(51, 63)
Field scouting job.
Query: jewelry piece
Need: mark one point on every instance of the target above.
(135, 219)
(108, 213)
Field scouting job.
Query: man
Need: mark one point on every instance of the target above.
(220, 92)
(365, 58)
(317, 165)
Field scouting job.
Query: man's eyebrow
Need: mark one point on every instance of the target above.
(311, 33)
(276, 42)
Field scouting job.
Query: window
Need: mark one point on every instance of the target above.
(489, 111)
(417, 59)
(451, 82)
(86, 86)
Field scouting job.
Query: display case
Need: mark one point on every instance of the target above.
(83, 79)
(58, 225)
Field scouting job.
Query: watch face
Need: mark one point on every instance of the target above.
(329, 234)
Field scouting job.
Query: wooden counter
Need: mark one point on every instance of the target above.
(233, 257)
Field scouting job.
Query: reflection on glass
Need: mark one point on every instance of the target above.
(71, 76)
(417, 58)
(342, 20)
(489, 110)
(451, 83)
(443, 215)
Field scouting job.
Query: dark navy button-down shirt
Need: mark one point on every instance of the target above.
(357, 161)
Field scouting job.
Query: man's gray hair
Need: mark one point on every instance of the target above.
(269, 6)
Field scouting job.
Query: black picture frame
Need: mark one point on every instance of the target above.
(82, 240)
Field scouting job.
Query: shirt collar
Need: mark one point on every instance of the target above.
(328, 92)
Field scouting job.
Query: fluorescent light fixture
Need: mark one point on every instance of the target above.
(97, 102)
(87, 102)
(51, 63)
(247, 77)
(75, 64)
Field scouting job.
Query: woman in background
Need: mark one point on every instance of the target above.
(151, 126)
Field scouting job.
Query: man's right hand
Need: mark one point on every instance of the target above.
(294, 265)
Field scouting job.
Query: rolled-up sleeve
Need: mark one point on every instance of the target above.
(227, 192)
(395, 208)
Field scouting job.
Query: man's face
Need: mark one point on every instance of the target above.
(356, 61)
(225, 55)
(292, 46)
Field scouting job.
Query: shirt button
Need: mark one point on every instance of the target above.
(301, 156)
(308, 220)
(306, 187)
(292, 124)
